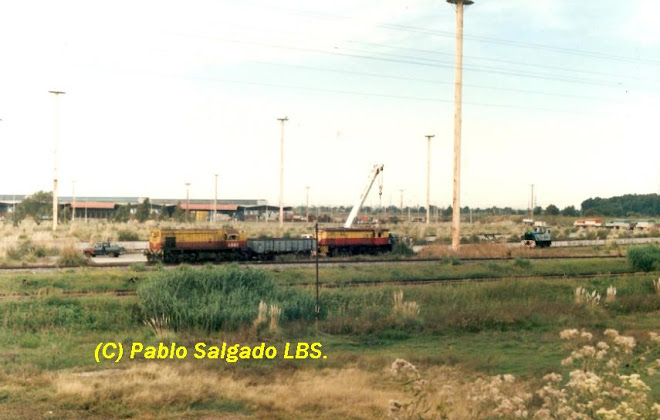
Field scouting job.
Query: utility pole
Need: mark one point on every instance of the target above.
(401, 202)
(307, 204)
(73, 201)
(215, 198)
(317, 308)
(56, 93)
(428, 178)
(187, 201)
(282, 121)
(458, 92)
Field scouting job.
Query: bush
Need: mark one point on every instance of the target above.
(70, 257)
(644, 258)
(26, 250)
(128, 235)
(602, 234)
(400, 248)
(214, 299)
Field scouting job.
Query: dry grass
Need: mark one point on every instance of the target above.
(494, 250)
(262, 314)
(582, 296)
(71, 257)
(160, 325)
(275, 312)
(467, 251)
(407, 310)
(611, 294)
(326, 393)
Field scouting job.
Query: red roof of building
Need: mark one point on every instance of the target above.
(92, 205)
(209, 207)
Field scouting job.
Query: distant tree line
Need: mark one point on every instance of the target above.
(38, 206)
(623, 206)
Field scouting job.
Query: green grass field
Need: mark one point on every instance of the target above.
(454, 333)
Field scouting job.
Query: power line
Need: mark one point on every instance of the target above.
(372, 94)
(496, 60)
(425, 51)
(480, 38)
(419, 62)
(495, 70)
(437, 82)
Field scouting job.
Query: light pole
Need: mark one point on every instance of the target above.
(187, 201)
(215, 198)
(56, 93)
(458, 92)
(307, 204)
(282, 121)
(428, 178)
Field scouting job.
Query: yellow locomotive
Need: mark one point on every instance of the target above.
(175, 245)
(333, 241)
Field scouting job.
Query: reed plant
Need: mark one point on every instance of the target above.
(224, 298)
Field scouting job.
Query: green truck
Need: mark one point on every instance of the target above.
(539, 237)
(104, 248)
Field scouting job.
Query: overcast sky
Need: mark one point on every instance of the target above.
(561, 94)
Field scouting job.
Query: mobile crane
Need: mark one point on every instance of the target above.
(375, 171)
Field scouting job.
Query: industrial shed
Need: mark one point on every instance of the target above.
(262, 213)
(91, 209)
(204, 212)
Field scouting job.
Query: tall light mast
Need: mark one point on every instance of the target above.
(56, 93)
(282, 121)
(428, 178)
(458, 99)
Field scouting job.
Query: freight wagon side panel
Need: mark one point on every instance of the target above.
(280, 246)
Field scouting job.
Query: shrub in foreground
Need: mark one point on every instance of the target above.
(644, 258)
(606, 381)
(70, 257)
(213, 299)
(402, 249)
(128, 235)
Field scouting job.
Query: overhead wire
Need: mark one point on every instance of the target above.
(412, 61)
(438, 82)
(481, 38)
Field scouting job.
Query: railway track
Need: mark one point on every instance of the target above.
(327, 262)
(398, 282)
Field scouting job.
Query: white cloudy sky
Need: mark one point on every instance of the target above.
(561, 94)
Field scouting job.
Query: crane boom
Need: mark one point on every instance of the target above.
(360, 201)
